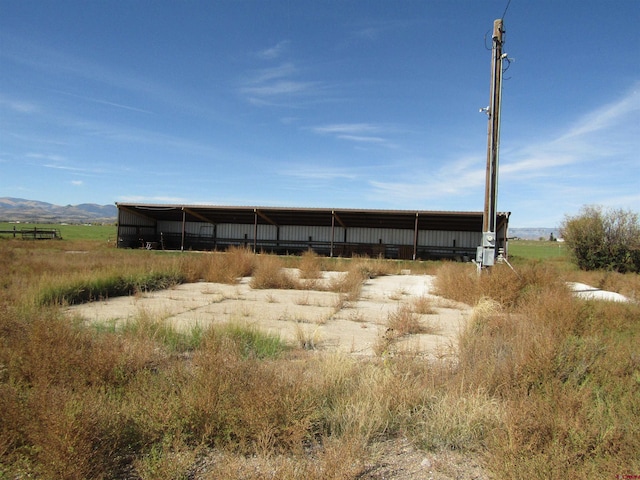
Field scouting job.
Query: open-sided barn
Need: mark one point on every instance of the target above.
(406, 234)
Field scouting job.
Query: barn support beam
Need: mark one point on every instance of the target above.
(333, 232)
(193, 213)
(117, 233)
(266, 218)
(184, 226)
(415, 238)
(255, 230)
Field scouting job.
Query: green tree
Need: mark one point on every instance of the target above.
(603, 239)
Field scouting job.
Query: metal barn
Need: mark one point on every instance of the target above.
(401, 234)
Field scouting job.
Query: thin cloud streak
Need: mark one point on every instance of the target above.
(54, 63)
(361, 138)
(355, 132)
(104, 102)
(20, 106)
(266, 86)
(274, 52)
(545, 159)
(347, 128)
(607, 116)
(583, 142)
(318, 173)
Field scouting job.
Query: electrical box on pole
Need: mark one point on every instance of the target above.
(486, 253)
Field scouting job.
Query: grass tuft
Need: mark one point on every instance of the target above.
(269, 273)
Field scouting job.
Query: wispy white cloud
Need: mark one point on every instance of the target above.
(55, 63)
(605, 132)
(279, 87)
(374, 29)
(606, 117)
(76, 170)
(275, 51)
(19, 106)
(462, 178)
(104, 102)
(610, 131)
(318, 172)
(46, 156)
(347, 128)
(363, 139)
(77, 183)
(269, 85)
(357, 132)
(278, 72)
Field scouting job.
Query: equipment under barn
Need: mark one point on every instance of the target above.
(403, 234)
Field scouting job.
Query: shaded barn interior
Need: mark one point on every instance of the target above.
(401, 234)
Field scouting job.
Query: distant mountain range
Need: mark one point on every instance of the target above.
(534, 233)
(33, 211)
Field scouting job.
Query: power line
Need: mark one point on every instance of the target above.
(505, 9)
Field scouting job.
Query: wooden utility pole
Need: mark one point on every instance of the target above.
(486, 254)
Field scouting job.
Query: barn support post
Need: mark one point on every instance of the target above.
(184, 225)
(415, 238)
(117, 232)
(333, 231)
(255, 230)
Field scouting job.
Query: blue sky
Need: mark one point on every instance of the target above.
(346, 104)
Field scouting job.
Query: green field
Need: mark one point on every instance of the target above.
(537, 249)
(105, 233)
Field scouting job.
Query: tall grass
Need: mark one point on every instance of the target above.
(103, 287)
(269, 273)
(544, 385)
(565, 371)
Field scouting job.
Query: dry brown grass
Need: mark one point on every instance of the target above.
(222, 267)
(269, 273)
(349, 286)
(423, 305)
(545, 386)
(310, 265)
(404, 321)
(549, 359)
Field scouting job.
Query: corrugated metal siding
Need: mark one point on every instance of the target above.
(127, 218)
(170, 227)
(230, 230)
(445, 239)
(302, 233)
(374, 235)
(266, 232)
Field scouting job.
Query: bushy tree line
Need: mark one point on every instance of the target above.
(603, 239)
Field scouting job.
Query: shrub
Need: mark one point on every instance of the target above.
(599, 239)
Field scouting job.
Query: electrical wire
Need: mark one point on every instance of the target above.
(505, 9)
